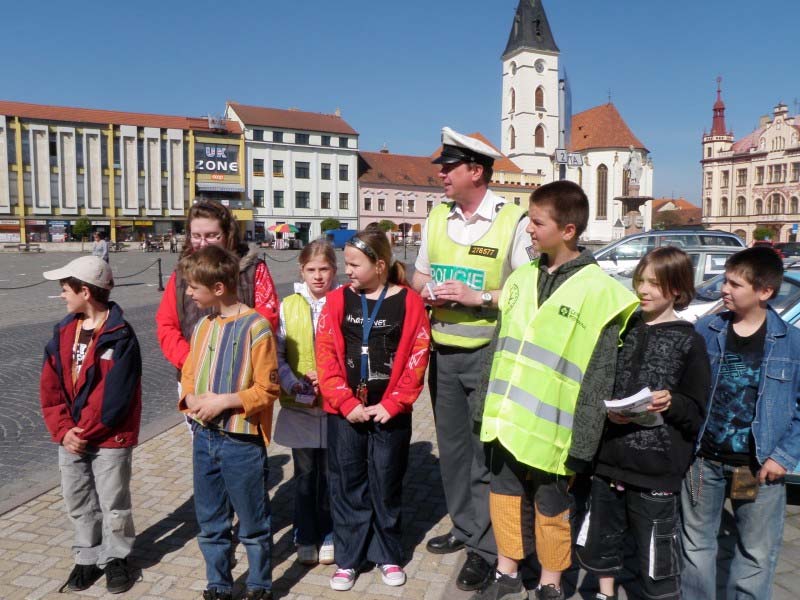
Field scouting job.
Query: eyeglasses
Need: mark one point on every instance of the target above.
(209, 237)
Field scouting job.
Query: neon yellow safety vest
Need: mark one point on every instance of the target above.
(479, 265)
(299, 342)
(541, 356)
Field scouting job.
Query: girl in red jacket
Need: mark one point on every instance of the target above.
(372, 348)
(210, 223)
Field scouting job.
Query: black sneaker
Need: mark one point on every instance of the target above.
(81, 578)
(258, 594)
(548, 592)
(503, 587)
(215, 594)
(119, 577)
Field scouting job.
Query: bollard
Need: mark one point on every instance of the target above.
(160, 277)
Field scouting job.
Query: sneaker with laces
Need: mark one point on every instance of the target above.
(307, 554)
(392, 574)
(504, 587)
(343, 579)
(119, 577)
(326, 554)
(82, 577)
(548, 592)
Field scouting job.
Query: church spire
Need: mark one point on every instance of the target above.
(718, 124)
(530, 29)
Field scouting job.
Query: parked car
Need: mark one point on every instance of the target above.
(708, 262)
(789, 249)
(625, 253)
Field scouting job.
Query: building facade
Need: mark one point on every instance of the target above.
(130, 174)
(754, 182)
(302, 168)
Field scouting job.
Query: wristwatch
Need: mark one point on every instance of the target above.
(486, 299)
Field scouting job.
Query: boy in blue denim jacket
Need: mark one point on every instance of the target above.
(751, 436)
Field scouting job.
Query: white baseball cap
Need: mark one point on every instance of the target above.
(457, 147)
(88, 269)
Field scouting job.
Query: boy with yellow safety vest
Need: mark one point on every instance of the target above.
(554, 354)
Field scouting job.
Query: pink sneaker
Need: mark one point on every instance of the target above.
(392, 575)
(343, 579)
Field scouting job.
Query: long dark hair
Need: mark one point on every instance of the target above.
(376, 247)
(210, 209)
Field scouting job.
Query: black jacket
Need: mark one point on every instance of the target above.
(665, 356)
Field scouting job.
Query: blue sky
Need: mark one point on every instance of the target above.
(399, 71)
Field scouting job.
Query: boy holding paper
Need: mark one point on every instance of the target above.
(641, 463)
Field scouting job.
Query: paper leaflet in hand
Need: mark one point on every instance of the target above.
(635, 408)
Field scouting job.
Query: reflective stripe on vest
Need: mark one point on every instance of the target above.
(479, 265)
(541, 358)
(299, 342)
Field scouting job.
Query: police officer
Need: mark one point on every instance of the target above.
(469, 246)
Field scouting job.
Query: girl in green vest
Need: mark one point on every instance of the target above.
(301, 423)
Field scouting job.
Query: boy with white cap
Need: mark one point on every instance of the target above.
(90, 392)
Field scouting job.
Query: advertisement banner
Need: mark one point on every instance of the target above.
(216, 158)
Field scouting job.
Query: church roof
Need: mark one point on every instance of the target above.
(601, 127)
(503, 163)
(530, 29)
(384, 168)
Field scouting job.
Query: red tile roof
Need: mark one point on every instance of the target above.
(291, 119)
(680, 204)
(749, 141)
(601, 127)
(501, 164)
(384, 168)
(95, 116)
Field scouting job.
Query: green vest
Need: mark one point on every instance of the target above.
(479, 265)
(299, 343)
(541, 356)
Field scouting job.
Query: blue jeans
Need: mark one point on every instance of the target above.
(230, 474)
(760, 532)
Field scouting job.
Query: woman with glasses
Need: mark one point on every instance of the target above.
(210, 223)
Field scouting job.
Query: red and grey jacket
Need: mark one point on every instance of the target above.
(106, 399)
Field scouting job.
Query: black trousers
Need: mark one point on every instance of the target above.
(366, 465)
(312, 511)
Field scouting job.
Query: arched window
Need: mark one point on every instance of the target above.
(602, 192)
(776, 205)
(741, 206)
(539, 97)
(513, 106)
(741, 233)
(759, 206)
(539, 137)
(723, 210)
(512, 138)
(793, 205)
(707, 208)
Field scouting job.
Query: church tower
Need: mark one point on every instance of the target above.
(530, 114)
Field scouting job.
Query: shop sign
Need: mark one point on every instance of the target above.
(58, 224)
(9, 237)
(36, 222)
(101, 222)
(124, 223)
(216, 158)
(143, 223)
(9, 222)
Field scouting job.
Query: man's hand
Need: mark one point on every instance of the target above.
(770, 471)
(73, 443)
(378, 413)
(357, 415)
(207, 406)
(617, 418)
(662, 400)
(457, 291)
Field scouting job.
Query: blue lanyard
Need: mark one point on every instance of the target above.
(366, 327)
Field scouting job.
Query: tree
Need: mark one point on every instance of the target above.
(386, 225)
(763, 233)
(82, 228)
(330, 223)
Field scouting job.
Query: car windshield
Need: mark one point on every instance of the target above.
(711, 291)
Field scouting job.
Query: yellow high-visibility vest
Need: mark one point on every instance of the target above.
(299, 342)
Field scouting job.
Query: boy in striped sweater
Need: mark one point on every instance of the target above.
(229, 384)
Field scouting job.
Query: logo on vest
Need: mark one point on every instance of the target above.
(513, 295)
(474, 278)
(571, 314)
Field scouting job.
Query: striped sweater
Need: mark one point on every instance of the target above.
(235, 355)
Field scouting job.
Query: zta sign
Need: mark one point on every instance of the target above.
(210, 158)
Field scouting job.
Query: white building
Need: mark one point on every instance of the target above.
(302, 168)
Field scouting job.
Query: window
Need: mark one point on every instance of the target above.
(398, 205)
(343, 172)
(759, 175)
(709, 179)
(342, 142)
(301, 170)
(776, 173)
(326, 140)
(725, 179)
(513, 106)
(741, 177)
(539, 98)
(302, 200)
(708, 152)
(277, 168)
(759, 206)
(258, 166)
(277, 199)
(795, 172)
(723, 211)
(325, 201)
(411, 206)
(707, 211)
(381, 204)
(343, 201)
(367, 203)
(776, 205)
(512, 137)
(300, 138)
(258, 135)
(602, 191)
(429, 206)
(741, 206)
(258, 198)
(326, 171)
(277, 136)
(539, 137)
(517, 200)
(793, 205)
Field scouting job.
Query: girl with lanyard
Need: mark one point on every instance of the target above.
(372, 348)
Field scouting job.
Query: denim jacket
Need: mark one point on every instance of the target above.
(776, 425)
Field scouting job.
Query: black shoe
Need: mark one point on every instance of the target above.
(602, 596)
(119, 577)
(81, 578)
(444, 544)
(503, 588)
(258, 594)
(474, 574)
(548, 592)
(214, 594)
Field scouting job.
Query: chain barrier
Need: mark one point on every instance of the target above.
(278, 260)
(150, 266)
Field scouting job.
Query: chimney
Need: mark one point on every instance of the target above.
(384, 150)
(338, 112)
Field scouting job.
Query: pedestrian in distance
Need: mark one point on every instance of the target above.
(751, 435)
(302, 423)
(641, 462)
(229, 384)
(372, 346)
(555, 345)
(100, 245)
(469, 246)
(90, 392)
